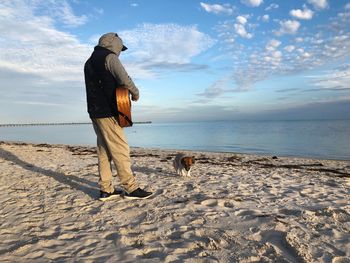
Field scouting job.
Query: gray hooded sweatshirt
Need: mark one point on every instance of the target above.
(113, 64)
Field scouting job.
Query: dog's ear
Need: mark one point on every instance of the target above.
(182, 161)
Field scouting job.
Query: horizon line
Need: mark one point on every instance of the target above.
(59, 123)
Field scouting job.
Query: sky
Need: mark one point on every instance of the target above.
(191, 60)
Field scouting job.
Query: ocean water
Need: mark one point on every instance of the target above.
(325, 139)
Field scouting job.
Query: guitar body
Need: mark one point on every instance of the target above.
(124, 107)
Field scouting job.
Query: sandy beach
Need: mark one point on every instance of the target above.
(234, 208)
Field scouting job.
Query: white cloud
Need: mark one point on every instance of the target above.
(272, 6)
(217, 8)
(305, 14)
(273, 44)
(165, 43)
(217, 89)
(34, 45)
(241, 31)
(273, 56)
(240, 27)
(41, 66)
(303, 53)
(266, 18)
(134, 4)
(306, 54)
(347, 6)
(319, 4)
(335, 79)
(340, 38)
(242, 20)
(139, 70)
(289, 48)
(277, 54)
(65, 13)
(288, 27)
(59, 11)
(328, 42)
(253, 3)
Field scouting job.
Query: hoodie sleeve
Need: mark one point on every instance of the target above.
(114, 65)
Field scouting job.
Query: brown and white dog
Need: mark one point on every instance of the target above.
(183, 164)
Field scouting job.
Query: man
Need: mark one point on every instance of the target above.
(103, 73)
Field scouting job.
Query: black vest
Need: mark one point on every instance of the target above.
(100, 85)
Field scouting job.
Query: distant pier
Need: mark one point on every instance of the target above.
(57, 123)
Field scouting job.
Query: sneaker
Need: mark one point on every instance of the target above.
(104, 196)
(138, 194)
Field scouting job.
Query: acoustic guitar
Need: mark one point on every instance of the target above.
(124, 107)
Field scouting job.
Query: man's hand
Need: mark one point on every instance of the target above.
(134, 98)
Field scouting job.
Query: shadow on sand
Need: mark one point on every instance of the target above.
(76, 183)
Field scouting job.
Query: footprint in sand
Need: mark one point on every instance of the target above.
(210, 202)
(341, 216)
(67, 237)
(35, 255)
(341, 260)
(49, 233)
(279, 242)
(52, 243)
(225, 203)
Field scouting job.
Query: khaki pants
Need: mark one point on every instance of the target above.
(112, 146)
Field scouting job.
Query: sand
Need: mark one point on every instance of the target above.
(234, 208)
